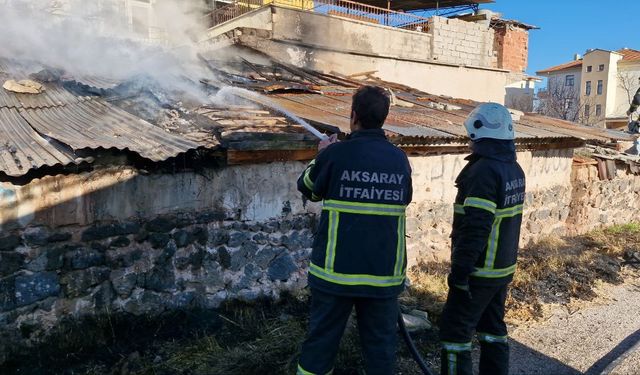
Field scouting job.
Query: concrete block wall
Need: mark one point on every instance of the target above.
(462, 43)
(512, 48)
(435, 78)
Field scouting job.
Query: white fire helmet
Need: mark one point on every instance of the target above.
(490, 120)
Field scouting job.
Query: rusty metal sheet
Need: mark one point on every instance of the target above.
(22, 149)
(341, 107)
(311, 113)
(420, 120)
(95, 124)
(569, 129)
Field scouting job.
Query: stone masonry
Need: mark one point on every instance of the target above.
(596, 202)
(134, 267)
(187, 258)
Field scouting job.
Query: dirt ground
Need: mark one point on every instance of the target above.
(582, 337)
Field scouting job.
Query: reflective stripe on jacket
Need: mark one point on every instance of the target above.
(359, 248)
(488, 215)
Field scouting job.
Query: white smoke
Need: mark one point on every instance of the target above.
(116, 39)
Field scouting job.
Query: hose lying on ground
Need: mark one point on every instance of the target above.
(412, 346)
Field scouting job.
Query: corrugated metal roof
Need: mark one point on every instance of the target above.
(97, 82)
(22, 149)
(54, 95)
(94, 124)
(76, 123)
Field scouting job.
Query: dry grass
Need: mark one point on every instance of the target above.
(428, 290)
(553, 270)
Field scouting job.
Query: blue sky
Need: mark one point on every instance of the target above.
(572, 26)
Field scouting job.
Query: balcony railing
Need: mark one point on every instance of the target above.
(339, 8)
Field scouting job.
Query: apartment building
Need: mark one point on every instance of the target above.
(595, 89)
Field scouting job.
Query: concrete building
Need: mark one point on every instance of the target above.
(475, 57)
(597, 88)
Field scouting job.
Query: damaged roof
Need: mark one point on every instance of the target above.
(423, 117)
(76, 117)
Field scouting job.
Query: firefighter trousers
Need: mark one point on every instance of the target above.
(376, 318)
(481, 310)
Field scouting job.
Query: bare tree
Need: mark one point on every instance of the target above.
(566, 103)
(627, 82)
(522, 102)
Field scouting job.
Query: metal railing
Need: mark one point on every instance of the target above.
(233, 10)
(373, 14)
(339, 8)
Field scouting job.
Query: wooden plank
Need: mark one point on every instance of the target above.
(237, 157)
(368, 73)
(262, 136)
(471, 17)
(272, 145)
(247, 122)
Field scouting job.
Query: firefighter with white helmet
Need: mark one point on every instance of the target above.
(634, 118)
(485, 236)
(635, 103)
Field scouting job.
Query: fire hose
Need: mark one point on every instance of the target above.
(412, 346)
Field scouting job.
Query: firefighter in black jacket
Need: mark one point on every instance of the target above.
(485, 236)
(359, 255)
(635, 103)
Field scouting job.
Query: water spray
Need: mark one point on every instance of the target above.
(263, 100)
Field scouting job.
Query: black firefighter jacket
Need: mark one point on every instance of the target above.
(636, 102)
(487, 215)
(365, 185)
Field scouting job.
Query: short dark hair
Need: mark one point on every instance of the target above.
(371, 105)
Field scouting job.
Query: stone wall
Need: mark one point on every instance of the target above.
(596, 202)
(144, 267)
(114, 240)
(430, 215)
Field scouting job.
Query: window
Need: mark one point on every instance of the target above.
(600, 67)
(570, 80)
(588, 91)
(600, 87)
(599, 110)
(589, 69)
(587, 110)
